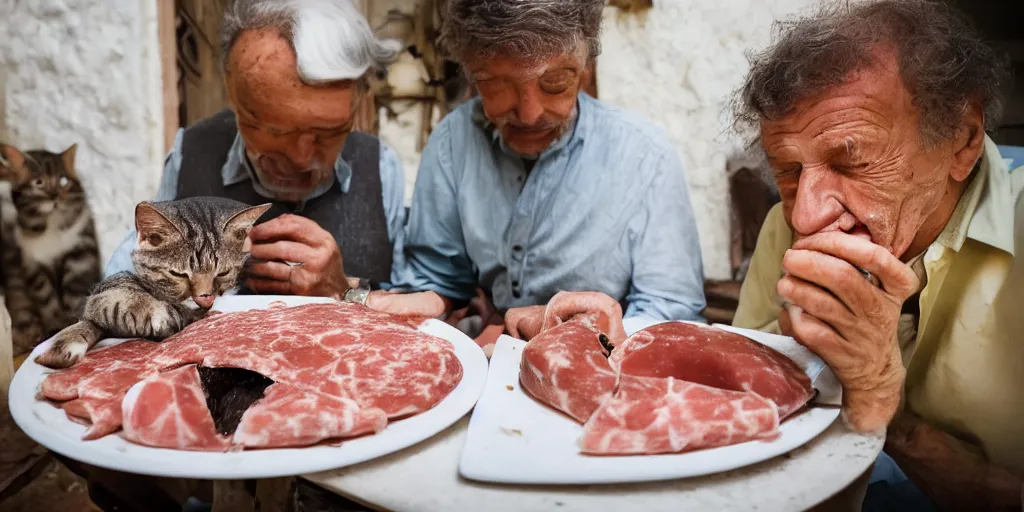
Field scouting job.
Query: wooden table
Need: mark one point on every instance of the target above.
(425, 477)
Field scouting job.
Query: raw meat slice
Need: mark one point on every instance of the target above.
(653, 415)
(169, 410)
(716, 358)
(567, 368)
(343, 350)
(288, 416)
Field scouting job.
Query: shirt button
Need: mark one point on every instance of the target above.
(515, 284)
(516, 294)
(517, 248)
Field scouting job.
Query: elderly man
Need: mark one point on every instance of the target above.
(535, 187)
(294, 73)
(873, 118)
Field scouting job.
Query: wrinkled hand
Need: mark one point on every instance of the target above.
(297, 240)
(954, 476)
(526, 322)
(847, 321)
(605, 312)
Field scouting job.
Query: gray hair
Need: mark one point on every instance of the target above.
(522, 29)
(943, 63)
(331, 38)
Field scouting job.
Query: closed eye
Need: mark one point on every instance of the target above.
(177, 274)
(224, 273)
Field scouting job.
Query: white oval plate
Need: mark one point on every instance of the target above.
(513, 439)
(50, 427)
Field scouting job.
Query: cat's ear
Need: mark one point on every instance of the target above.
(153, 227)
(68, 158)
(12, 163)
(245, 219)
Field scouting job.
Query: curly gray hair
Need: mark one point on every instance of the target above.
(942, 61)
(522, 29)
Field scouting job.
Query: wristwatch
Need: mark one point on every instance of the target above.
(359, 294)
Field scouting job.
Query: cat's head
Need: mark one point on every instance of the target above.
(42, 183)
(193, 248)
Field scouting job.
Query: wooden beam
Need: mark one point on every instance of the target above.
(169, 69)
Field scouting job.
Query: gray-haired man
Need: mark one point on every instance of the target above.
(295, 74)
(535, 187)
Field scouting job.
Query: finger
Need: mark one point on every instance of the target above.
(269, 286)
(897, 278)
(423, 304)
(290, 227)
(832, 274)
(816, 301)
(814, 334)
(272, 270)
(283, 250)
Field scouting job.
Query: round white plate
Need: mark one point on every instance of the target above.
(50, 427)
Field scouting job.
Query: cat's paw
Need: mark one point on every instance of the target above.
(63, 353)
(166, 320)
(69, 346)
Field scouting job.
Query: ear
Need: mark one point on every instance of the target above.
(153, 227)
(241, 222)
(68, 158)
(969, 142)
(12, 163)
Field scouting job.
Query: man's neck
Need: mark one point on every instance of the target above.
(937, 221)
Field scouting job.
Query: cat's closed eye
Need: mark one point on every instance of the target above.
(224, 273)
(178, 274)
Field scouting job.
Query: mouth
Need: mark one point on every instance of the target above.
(861, 231)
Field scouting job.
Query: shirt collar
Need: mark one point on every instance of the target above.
(574, 135)
(985, 212)
(238, 169)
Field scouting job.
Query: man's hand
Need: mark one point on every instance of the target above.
(847, 321)
(296, 240)
(950, 473)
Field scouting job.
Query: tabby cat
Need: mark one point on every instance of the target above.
(189, 252)
(49, 252)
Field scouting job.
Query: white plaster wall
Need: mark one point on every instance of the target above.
(87, 72)
(678, 66)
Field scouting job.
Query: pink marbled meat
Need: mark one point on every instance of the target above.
(289, 416)
(148, 420)
(668, 388)
(716, 358)
(345, 351)
(566, 368)
(664, 415)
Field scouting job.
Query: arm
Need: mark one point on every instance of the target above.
(121, 260)
(392, 181)
(759, 306)
(948, 470)
(668, 276)
(434, 256)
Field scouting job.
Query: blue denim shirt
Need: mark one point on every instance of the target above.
(606, 208)
(236, 169)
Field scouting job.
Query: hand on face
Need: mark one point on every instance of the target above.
(294, 239)
(847, 321)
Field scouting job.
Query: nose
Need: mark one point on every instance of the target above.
(816, 205)
(202, 290)
(303, 150)
(205, 301)
(530, 108)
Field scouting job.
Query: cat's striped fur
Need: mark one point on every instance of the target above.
(49, 251)
(190, 251)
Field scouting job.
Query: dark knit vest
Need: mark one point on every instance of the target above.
(355, 218)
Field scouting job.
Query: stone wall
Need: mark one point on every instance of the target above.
(87, 72)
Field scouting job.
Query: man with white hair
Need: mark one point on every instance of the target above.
(536, 187)
(295, 74)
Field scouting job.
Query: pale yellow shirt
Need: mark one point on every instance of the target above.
(965, 359)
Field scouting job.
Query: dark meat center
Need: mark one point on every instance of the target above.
(229, 393)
